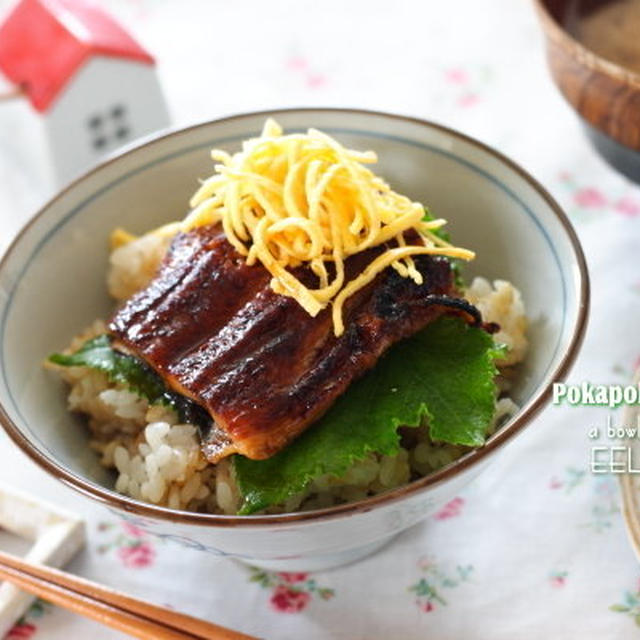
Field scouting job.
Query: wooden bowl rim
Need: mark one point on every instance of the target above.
(556, 32)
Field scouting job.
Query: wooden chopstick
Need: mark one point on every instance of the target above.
(90, 608)
(110, 607)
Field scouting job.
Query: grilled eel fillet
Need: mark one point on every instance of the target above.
(259, 364)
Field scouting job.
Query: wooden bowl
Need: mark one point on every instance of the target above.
(605, 94)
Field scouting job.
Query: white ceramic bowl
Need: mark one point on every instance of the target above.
(52, 285)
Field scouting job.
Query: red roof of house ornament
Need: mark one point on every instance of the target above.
(44, 42)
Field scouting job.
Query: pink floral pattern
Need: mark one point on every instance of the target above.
(627, 206)
(555, 483)
(571, 478)
(293, 577)
(630, 604)
(290, 592)
(137, 556)
(25, 628)
(452, 509)
(428, 589)
(466, 84)
(288, 600)
(468, 99)
(557, 578)
(302, 68)
(133, 546)
(457, 75)
(589, 200)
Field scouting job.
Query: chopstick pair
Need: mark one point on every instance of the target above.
(135, 617)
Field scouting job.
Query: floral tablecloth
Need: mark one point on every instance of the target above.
(536, 547)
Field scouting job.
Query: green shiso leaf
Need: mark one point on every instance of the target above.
(441, 233)
(135, 375)
(97, 353)
(444, 373)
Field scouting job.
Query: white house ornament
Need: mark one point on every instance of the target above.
(95, 87)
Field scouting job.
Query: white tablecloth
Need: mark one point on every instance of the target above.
(536, 547)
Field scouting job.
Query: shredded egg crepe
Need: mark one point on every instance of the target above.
(304, 199)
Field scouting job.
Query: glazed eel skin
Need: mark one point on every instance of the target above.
(257, 362)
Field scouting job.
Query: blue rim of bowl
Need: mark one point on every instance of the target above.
(112, 499)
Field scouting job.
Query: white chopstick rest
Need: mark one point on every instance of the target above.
(56, 535)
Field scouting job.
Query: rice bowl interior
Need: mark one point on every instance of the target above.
(419, 170)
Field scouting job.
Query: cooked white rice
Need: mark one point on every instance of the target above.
(502, 303)
(132, 266)
(158, 460)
